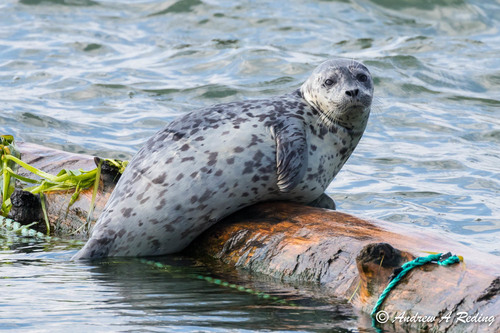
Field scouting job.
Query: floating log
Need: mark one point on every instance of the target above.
(351, 258)
(65, 220)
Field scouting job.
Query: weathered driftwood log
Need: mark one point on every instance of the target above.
(345, 254)
(340, 251)
(65, 220)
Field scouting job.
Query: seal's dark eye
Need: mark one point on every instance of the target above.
(362, 78)
(329, 82)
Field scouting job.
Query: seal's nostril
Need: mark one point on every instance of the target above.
(352, 93)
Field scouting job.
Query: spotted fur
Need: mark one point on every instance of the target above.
(212, 162)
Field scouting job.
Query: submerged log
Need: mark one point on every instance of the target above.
(351, 258)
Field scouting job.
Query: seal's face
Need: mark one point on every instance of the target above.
(341, 91)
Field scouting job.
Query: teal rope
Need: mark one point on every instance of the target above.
(408, 267)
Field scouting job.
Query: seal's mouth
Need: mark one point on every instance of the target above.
(351, 107)
(356, 105)
(347, 115)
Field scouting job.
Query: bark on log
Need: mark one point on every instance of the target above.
(345, 254)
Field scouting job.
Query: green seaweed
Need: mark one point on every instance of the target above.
(7, 148)
(94, 192)
(45, 216)
(65, 180)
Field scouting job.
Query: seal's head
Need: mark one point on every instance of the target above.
(341, 91)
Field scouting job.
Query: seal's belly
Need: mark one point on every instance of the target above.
(204, 181)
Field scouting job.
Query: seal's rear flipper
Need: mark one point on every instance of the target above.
(323, 201)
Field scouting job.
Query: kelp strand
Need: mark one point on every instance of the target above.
(65, 180)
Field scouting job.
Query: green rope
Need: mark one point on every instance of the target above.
(447, 260)
(219, 282)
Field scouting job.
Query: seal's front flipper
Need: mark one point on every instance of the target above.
(323, 201)
(291, 154)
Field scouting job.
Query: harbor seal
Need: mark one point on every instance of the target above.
(212, 162)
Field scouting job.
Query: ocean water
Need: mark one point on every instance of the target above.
(100, 77)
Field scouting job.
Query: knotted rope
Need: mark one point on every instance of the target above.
(439, 258)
